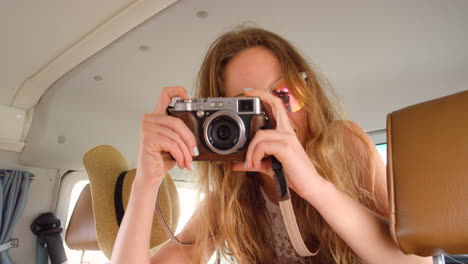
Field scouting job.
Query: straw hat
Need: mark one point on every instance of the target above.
(105, 165)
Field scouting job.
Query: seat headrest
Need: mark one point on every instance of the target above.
(81, 230)
(428, 176)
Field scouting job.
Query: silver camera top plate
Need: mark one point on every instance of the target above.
(239, 105)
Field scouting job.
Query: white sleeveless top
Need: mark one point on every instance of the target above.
(283, 247)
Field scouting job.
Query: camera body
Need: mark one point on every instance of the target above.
(223, 126)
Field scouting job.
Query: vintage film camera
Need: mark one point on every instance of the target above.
(223, 126)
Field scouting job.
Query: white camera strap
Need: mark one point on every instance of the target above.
(289, 218)
(287, 211)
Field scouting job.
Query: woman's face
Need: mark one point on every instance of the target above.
(258, 68)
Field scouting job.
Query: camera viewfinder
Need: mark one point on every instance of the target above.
(245, 105)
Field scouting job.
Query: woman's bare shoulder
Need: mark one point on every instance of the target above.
(350, 128)
(365, 151)
(354, 134)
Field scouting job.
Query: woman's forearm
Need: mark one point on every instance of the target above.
(133, 239)
(364, 231)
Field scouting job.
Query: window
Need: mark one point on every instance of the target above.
(382, 148)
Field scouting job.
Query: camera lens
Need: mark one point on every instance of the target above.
(223, 133)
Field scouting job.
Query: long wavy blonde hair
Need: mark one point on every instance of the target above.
(235, 214)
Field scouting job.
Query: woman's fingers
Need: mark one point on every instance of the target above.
(187, 154)
(178, 126)
(156, 146)
(166, 96)
(154, 137)
(262, 136)
(155, 142)
(264, 144)
(263, 149)
(170, 146)
(275, 106)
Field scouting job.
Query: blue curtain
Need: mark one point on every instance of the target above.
(14, 186)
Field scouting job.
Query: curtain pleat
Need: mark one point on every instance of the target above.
(14, 187)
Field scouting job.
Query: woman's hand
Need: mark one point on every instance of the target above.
(164, 140)
(281, 142)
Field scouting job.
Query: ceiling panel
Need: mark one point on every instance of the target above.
(379, 56)
(35, 32)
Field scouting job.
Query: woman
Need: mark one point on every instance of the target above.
(335, 173)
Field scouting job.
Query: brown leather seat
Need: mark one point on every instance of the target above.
(428, 176)
(81, 231)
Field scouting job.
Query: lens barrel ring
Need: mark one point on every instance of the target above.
(241, 140)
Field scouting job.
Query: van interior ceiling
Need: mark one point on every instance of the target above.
(78, 74)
